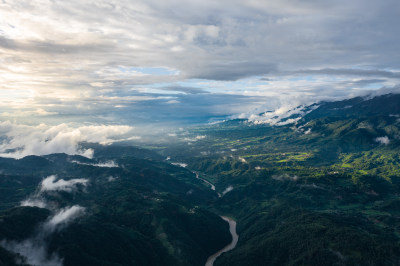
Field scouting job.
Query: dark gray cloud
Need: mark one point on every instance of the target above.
(188, 90)
(224, 40)
(351, 72)
(234, 70)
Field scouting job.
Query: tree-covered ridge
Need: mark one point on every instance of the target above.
(137, 211)
(321, 191)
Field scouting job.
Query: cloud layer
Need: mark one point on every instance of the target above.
(22, 140)
(159, 62)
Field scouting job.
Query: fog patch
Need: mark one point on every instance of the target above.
(227, 190)
(34, 249)
(285, 177)
(313, 185)
(111, 179)
(184, 165)
(243, 160)
(195, 138)
(383, 140)
(108, 164)
(33, 252)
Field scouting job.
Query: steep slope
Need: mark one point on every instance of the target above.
(322, 191)
(105, 211)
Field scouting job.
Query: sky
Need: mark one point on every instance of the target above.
(175, 63)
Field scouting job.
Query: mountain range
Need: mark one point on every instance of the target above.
(322, 189)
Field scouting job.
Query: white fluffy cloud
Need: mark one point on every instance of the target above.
(49, 184)
(22, 140)
(383, 140)
(63, 217)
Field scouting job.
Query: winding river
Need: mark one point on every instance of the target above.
(232, 230)
(232, 225)
(205, 181)
(235, 239)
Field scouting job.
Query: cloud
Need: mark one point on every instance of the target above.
(352, 72)
(285, 177)
(180, 164)
(63, 217)
(234, 71)
(23, 140)
(34, 201)
(243, 160)
(34, 252)
(198, 137)
(101, 164)
(37, 112)
(383, 140)
(34, 249)
(204, 55)
(187, 90)
(49, 184)
(287, 113)
(111, 178)
(227, 190)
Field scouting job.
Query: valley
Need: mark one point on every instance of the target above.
(321, 191)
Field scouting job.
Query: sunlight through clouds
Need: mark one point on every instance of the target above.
(128, 60)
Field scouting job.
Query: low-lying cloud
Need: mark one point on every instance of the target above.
(227, 190)
(180, 164)
(34, 249)
(49, 184)
(285, 177)
(22, 140)
(383, 140)
(63, 217)
(108, 164)
(284, 115)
